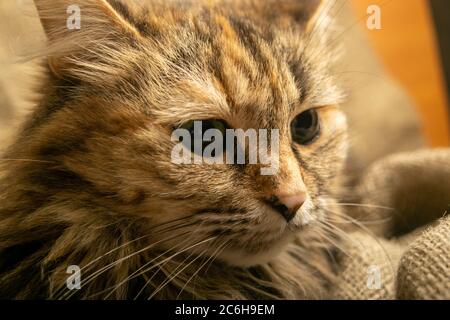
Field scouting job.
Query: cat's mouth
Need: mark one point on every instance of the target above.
(273, 237)
(248, 237)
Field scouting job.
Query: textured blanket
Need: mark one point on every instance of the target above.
(415, 187)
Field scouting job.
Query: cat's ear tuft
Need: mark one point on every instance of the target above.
(282, 12)
(63, 18)
(305, 12)
(76, 28)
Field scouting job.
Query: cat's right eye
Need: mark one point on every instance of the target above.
(202, 127)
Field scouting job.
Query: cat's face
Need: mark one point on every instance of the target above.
(145, 75)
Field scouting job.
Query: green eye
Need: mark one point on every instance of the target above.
(306, 127)
(202, 126)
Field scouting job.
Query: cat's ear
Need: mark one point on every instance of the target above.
(303, 12)
(75, 28)
(61, 18)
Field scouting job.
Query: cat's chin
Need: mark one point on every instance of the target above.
(244, 258)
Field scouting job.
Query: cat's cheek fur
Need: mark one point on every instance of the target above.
(241, 258)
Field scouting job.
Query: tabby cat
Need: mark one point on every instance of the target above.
(89, 182)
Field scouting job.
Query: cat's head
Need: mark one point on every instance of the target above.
(125, 74)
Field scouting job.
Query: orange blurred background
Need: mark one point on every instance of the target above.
(408, 47)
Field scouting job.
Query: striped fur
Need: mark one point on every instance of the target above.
(90, 181)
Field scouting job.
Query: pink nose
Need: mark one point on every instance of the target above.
(288, 204)
(293, 202)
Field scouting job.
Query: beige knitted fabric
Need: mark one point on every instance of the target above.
(415, 186)
(376, 268)
(424, 271)
(369, 269)
(412, 189)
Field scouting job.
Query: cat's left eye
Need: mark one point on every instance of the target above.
(305, 128)
(197, 137)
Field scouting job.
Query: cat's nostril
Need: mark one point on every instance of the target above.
(287, 213)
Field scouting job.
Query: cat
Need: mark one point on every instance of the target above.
(89, 181)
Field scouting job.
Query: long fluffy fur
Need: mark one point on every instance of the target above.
(90, 181)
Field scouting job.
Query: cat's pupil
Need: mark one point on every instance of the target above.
(305, 127)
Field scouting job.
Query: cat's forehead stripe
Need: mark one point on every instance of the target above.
(247, 66)
(235, 43)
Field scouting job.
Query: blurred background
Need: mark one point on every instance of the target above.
(397, 78)
(414, 46)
